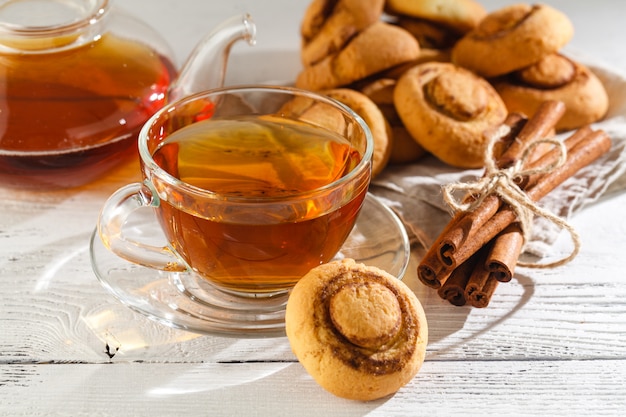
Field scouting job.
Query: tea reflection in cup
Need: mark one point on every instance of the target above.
(252, 186)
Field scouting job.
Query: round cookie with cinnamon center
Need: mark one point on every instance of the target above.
(512, 38)
(375, 120)
(404, 148)
(328, 25)
(557, 78)
(319, 114)
(448, 110)
(459, 15)
(378, 47)
(360, 332)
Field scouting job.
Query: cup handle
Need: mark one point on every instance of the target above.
(116, 211)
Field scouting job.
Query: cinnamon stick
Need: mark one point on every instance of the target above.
(431, 271)
(505, 252)
(509, 243)
(481, 283)
(479, 249)
(435, 268)
(481, 297)
(537, 127)
(584, 146)
(469, 223)
(551, 156)
(464, 228)
(582, 154)
(488, 230)
(516, 123)
(453, 289)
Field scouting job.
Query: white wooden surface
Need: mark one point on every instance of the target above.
(551, 343)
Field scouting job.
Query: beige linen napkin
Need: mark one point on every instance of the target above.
(413, 191)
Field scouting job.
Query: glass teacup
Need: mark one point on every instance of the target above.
(252, 187)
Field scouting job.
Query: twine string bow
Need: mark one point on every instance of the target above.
(503, 182)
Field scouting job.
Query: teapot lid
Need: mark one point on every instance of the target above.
(35, 25)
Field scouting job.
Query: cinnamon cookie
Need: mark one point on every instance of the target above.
(512, 38)
(329, 24)
(404, 148)
(447, 109)
(374, 118)
(359, 332)
(557, 78)
(429, 34)
(459, 15)
(378, 47)
(320, 114)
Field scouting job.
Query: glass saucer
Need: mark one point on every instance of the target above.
(186, 301)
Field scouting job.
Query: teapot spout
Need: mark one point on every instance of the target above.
(205, 68)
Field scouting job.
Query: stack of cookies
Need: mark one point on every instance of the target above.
(517, 49)
(442, 74)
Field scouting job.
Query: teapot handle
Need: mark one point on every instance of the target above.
(205, 68)
(116, 213)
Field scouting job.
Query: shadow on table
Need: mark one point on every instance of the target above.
(451, 327)
(257, 389)
(81, 322)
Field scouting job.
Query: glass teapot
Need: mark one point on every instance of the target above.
(78, 79)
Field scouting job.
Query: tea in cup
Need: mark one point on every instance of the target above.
(252, 187)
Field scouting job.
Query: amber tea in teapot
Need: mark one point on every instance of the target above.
(71, 107)
(79, 78)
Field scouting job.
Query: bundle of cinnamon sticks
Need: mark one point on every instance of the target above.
(480, 248)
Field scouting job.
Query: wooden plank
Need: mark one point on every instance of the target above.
(73, 321)
(480, 388)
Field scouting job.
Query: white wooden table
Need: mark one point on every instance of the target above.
(551, 342)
